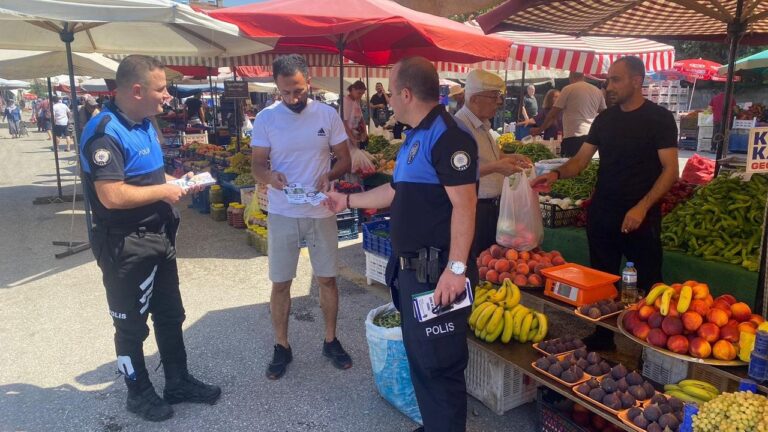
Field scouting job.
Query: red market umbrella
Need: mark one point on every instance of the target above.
(698, 69)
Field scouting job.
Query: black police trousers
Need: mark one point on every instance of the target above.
(607, 244)
(437, 356)
(141, 277)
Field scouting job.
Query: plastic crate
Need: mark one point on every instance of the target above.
(555, 217)
(374, 243)
(738, 140)
(201, 202)
(375, 268)
(495, 382)
(231, 191)
(552, 419)
(663, 369)
(688, 144)
(348, 229)
(744, 124)
(347, 214)
(706, 374)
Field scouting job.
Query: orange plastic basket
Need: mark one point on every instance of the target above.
(578, 285)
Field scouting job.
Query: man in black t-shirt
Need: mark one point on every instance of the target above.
(195, 113)
(380, 106)
(637, 140)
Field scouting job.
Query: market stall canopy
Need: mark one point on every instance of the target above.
(370, 32)
(699, 69)
(589, 54)
(13, 84)
(755, 61)
(152, 27)
(37, 64)
(447, 8)
(660, 19)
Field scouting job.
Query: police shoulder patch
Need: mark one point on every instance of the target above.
(414, 150)
(460, 160)
(101, 157)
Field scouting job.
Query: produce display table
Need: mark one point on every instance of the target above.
(722, 278)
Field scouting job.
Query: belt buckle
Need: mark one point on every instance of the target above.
(404, 263)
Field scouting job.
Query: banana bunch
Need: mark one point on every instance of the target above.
(670, 298)
(498, 314)
(694, 391)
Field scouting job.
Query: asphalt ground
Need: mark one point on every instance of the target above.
(57, 360)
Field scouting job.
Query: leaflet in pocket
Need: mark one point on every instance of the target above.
(425, 309)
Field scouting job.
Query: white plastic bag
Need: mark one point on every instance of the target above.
(391, 372)
(520, 226)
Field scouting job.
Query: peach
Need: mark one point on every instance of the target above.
(677, 288)
(699, 348)
(505, 275)
(741, 311)
(485, 259)
(520, 280)
(532, 264)
(645, 312)
(537, 269)
(700, 291)
(655, 320)
(657, 337)
(722, 304)
(511, 255)
(502, 265)
(673, 309)
(727, 298)
(690, 283)
(536, 256)
(672, 326)
(748, 327)
(558, 260)
(732, 322)
(692, 320)
(492, 276)
(496, 251)
(699, 306)
(523, 269)
(482, 271)
(642, 330)
(525, 255)
(730, 333)
(757, 319)
(724, 350)
(678, 344)
(717, 316)
(657, 302)
(535, 280)
(709, 332)
(631, 320)
(709, 300)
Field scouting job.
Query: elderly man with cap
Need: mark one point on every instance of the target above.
(85, 111)
(484, 94)
(456, 92)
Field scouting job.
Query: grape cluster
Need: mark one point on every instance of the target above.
(733, 412)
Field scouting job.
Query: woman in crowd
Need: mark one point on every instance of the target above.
(549, 102)
(353, 114)
(12, 114)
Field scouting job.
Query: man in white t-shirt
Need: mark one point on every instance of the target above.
(580, 102)
(61, 115)
(292, 140)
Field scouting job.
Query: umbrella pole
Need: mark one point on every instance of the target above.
(693, 89)
(522, 93)
(506, 94)
(735, 31)
(213, 99)
(67, 36)
(340, 46)
(53, 138)
(368, 95)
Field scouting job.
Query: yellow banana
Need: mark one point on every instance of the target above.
(506, 335)
(668, 387)
(518, 321)
(500, 295)
(494, 334)
(526, 327)
(655, 293)
(541, 333)
(666, 298)
(496, 320)
(535, 323)
(480, 299)
(698, 392)
(531, 334)
(684, 302)
(513, 295)
(705, 385)
(685, 397)
(483, 334)
(482, 320)
(477, 332)
(480, 291)
(476, 313)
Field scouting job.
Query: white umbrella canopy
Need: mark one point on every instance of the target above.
(13, 84)
(151, 27)
(17, 64)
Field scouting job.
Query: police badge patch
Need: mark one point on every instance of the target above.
(412, 152)
(460, 161)
(101, 157)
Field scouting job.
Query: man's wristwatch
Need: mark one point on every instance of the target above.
(457, 267)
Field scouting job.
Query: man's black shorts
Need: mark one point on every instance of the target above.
(60, 130)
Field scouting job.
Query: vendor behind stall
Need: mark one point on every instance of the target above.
(194, 109)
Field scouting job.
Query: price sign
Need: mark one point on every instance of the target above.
(757, 150)
(236, 89)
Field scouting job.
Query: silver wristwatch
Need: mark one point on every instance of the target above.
(457, 267)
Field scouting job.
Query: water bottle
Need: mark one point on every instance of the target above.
(629, 284)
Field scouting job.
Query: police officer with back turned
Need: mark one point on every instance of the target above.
(134, 238)
(432, 197)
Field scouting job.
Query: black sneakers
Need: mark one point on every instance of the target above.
(336, 353)
(280, 359)
(148, 405)
(186, 388)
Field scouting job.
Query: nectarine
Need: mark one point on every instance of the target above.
(678, 344)
(692, 320)
(709, 332)
(699, 348)
(724, 350)
(741, 311)
(717, 316)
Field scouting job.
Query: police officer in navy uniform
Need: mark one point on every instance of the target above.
(432, 198)
(134, 238)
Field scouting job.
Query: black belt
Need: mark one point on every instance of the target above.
(488, 201)
(130, 229)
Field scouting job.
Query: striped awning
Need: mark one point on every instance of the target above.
(590, 55)
(261, 59)
(660, 19)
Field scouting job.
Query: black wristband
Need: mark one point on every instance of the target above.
(348, 208)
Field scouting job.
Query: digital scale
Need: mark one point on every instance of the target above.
(578, 285)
